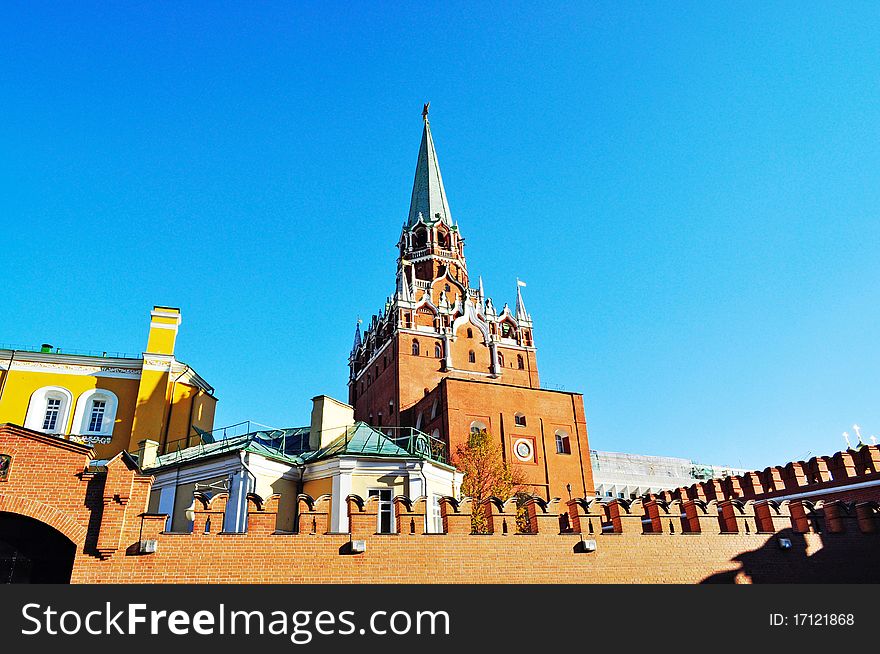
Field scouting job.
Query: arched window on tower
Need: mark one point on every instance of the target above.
(477, 426)
(500, 360)
(520, 363)
(415, 348)
(470, 333)
(438, 350)
(472, 358)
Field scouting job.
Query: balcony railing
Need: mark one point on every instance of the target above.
(418, 443)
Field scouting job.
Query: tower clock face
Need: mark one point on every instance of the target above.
(523, 449)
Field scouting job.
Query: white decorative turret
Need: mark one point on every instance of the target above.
(404, 289)
(521, 314)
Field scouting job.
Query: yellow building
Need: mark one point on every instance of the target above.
(110, 402)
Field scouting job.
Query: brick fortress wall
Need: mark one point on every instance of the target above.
(853, 475)
(651, 541)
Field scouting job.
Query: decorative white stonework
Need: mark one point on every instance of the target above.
(73, 369)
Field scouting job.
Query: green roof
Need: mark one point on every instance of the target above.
(280, 444)
(359, 439)
(292, 446)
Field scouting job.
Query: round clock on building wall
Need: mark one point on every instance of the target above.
(522, 448)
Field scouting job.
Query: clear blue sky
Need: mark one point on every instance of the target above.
(689, 190)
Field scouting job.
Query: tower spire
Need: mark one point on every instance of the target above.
(428, 195)
(521, 313)
(357, 337)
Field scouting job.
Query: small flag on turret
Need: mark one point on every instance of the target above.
(519, 282)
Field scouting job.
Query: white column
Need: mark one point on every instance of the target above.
(166, 503)
(416, 484)
(235, 519)
(493, 351)
(339, 507)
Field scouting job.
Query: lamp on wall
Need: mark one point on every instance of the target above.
(190, 512)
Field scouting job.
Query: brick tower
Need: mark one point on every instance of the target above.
(439, 344)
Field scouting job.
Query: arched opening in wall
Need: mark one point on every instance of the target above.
(477, 426)
(470, 332)
(32, 552)
(415, 348)
(421, 238)
(500, 360)
(520, 363)
(508, 330)
(438, 350)
(443, 239)
(472, 357)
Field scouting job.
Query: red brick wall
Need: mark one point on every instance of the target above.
(461, 402)
(624, 554)
(851, 476)
(103, 513)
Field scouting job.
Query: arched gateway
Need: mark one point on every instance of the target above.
(33, 552)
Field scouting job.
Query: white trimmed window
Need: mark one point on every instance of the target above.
(95, 413)
(49, 410)
(96, 420)
(520, 420)
(385, 516)
(53, 408)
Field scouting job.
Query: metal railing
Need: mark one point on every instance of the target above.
(225, 438)
(417, 443)
(284, 442)
(58, 350)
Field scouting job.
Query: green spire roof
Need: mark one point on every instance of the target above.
(428, 195)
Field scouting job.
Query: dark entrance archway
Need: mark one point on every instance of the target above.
(32, 552)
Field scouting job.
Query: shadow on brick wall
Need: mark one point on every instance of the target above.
(790, 556)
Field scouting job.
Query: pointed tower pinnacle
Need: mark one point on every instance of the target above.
(428, 195)
(357, 337)
(404, 290)
(521, 313)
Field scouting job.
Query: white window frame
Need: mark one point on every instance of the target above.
(36, 412)
(383, 505)
(55, 405)
(83, 414)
